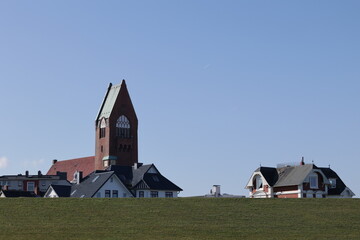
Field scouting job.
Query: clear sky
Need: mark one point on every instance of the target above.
(219, 87)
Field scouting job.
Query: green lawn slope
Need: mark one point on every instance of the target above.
(182, 218)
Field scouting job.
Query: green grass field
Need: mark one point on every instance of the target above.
(182, 218)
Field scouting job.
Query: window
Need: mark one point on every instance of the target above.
(123, 127)
(332, 182)
(102, 132)
(102, 128)
(154, 194)
(141, 194)
(30, 186)
(107, 193)
(112, 162)
(94, 180)
(313, 181)
(111, 179)
(106, 163)
(169, 194)
(115, 194)
(257, 182)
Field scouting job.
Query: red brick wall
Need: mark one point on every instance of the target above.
(293, 195)
(111, 143)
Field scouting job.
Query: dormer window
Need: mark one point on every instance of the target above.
(313, 181)
(102, 128)
(332, 182)
(123, 127)
(257, 182)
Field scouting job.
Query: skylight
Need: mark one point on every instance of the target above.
(95, 178)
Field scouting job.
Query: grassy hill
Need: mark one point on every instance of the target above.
(182, 218)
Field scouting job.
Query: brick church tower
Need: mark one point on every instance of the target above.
(116, 129)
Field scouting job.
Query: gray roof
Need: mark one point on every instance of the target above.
(132, 178)
(109, 101)
(296, 175)
(90, 184)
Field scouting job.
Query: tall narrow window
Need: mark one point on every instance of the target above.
(123, 127)
(107, 193)
(257, 182)
(102, 128)
(115, 193)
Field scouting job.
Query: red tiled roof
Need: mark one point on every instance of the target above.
(86, 165)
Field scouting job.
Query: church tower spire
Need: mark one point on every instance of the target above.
(116, 129)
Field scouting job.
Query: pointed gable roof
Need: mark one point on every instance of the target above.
(85, 165)
(112, 95)
(61, 190)
(270, 174)
(143, 176)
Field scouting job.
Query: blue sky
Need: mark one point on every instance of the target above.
(219, 87)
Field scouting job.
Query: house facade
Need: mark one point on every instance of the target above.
(300, 181)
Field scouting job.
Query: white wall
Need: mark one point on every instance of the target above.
(161, 194)
(115, 184)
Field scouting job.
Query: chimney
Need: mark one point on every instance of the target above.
(39, 174)
(27, 173)
(302, 161)
(54, 161)
(79, 176)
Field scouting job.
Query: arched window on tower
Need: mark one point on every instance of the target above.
(123, 127)
(102, 128)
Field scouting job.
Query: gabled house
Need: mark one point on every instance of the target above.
(146, 181)
(100, 184)
(301, 181)
(56, 191)
(116, 149)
